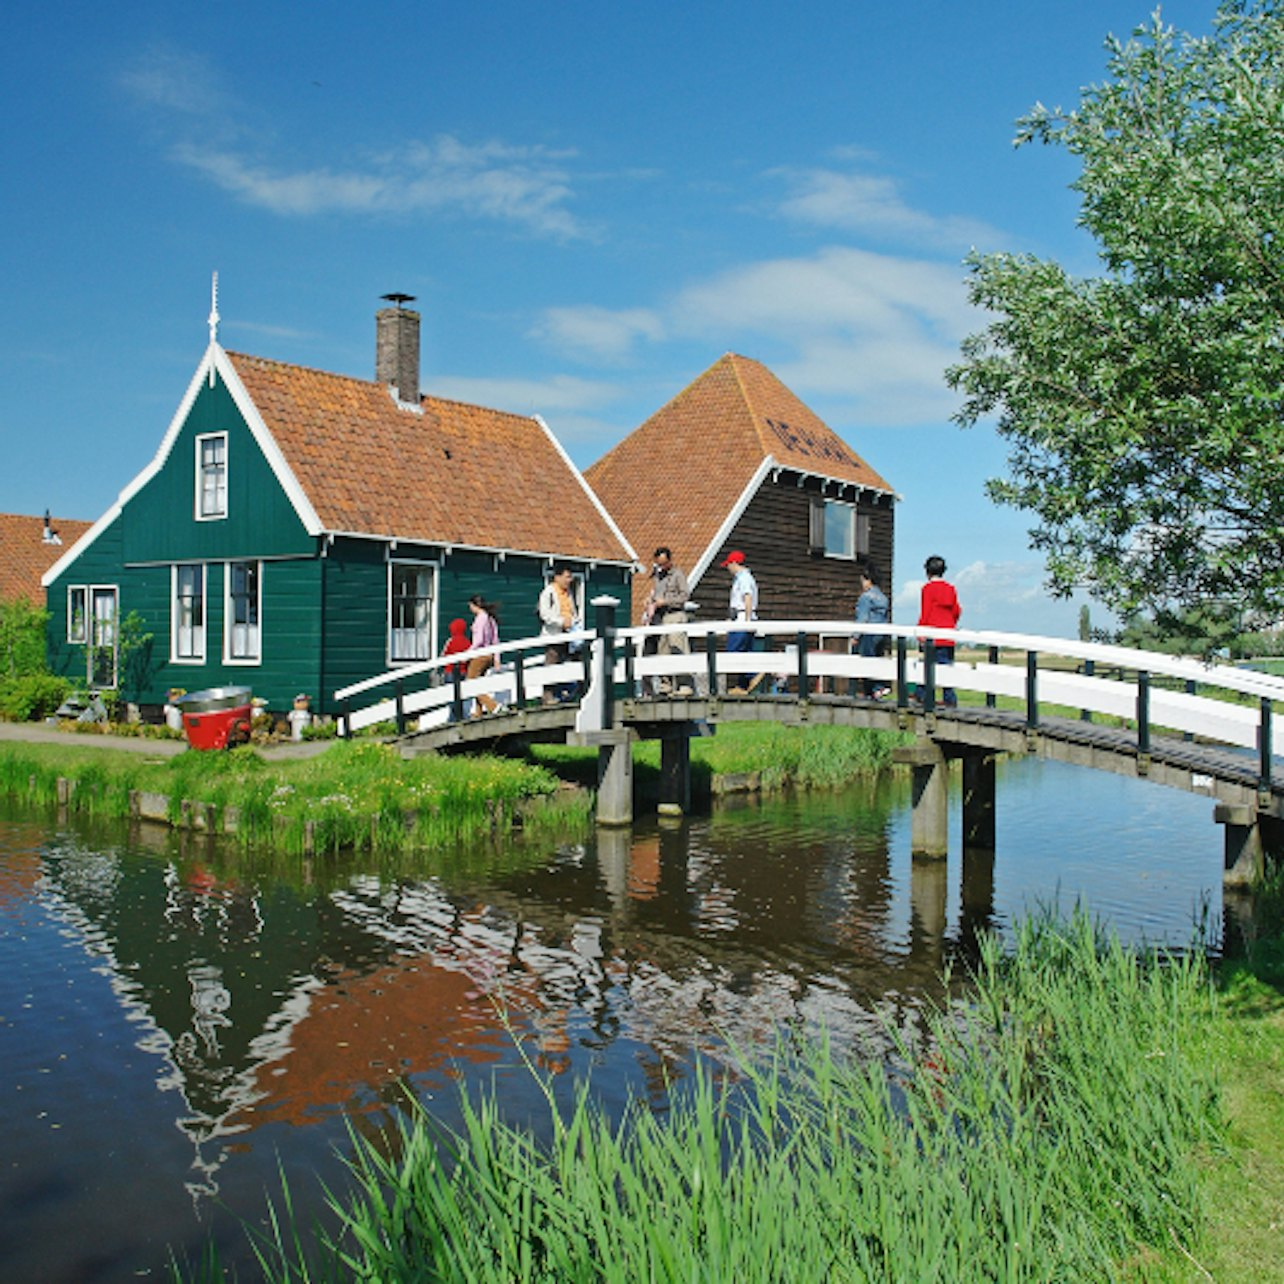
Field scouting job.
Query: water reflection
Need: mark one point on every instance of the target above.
(270, 1000)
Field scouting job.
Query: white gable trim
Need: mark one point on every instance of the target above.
(728, 525)
(588, 490)
(214, 361)
(267, 444)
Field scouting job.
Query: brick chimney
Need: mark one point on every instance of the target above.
(397, 348)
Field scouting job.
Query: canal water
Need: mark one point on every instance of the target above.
(181, 1022)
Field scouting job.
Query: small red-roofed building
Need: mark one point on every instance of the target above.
(298, 531)
(736, 462)
(29, 546)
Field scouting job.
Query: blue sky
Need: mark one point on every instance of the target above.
(592, 202)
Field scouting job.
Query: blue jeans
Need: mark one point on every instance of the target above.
(945, 655)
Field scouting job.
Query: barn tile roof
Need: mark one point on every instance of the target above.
(25, 557)
(675, 479)
(455, 474)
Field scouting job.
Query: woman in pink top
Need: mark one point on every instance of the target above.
(485, 633)
(939, 609)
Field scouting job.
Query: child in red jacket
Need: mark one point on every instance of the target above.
(939, 609)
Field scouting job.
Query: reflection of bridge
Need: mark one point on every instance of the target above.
(1174, 721)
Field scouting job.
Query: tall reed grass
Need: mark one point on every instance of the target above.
(1045, 1129)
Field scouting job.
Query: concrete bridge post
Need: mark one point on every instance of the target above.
(1245, 855)
(929, 821)
(675, 771)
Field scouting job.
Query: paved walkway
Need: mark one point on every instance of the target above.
(41, 733)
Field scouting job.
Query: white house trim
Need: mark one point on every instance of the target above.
(588, 490)
(729, 523)
(214, 361)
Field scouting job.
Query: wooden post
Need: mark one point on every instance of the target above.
(991, 700)
(457, 696)
(604, 623)
(711, 663)
(928, 694)
(675, 772)
(519, 679)
(1032, 690)
(400, 688)
(902, 686)
(979, 776)
(804, 679)
(1089, 668)
(1264, 746)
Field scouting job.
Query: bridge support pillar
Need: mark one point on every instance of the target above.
(978, 800)
(929, 822)
(1245, 855)
(675, 773)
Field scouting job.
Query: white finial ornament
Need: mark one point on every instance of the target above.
(214, 320)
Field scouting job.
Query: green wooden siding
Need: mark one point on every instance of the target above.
(324, 614)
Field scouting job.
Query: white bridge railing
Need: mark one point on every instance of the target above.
(1219, 702)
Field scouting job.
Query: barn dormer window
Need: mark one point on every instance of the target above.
(211, 476)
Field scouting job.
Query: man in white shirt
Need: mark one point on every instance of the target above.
(743, 606)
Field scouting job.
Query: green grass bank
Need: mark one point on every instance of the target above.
(362, 795)
(357, 795)
(1080, 1115)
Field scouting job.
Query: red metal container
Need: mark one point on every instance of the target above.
(216, 718)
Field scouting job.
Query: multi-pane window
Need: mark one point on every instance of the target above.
(77, 615)
(410, 613)
(188, 613)
(840, 529)
(103, 637)
(211, 476)
(242, 632)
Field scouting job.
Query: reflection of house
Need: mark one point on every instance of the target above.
(299, 531)
(736, 461)
(29, 546)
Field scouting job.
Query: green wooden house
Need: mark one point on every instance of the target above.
(298, 531)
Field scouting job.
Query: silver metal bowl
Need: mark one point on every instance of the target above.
(212, 699)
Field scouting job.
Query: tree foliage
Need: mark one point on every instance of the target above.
(1143, 407)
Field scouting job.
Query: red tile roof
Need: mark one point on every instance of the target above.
(25, 557)
(675, 479)
(455, 474)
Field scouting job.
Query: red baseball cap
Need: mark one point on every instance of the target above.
(734, 558)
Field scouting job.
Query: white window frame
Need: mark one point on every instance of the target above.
(852, 535)
(199, 633)
(199, 509)
(78, 637)
(229, 624)
(434, 569)
(91, 642)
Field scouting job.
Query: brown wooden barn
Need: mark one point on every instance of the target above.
(736, 461)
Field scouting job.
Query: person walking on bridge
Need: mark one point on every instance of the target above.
(939, 609)
(667, 604)
(743, 606)
(871, 608)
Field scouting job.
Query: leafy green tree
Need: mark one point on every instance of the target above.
(1144, 407)
(22, 638)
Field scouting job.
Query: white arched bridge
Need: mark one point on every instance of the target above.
(1205, 728)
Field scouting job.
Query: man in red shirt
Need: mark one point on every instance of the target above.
(939, 609)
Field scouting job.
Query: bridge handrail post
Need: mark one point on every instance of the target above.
(991, 699)
(1264, 745)
(457, 694)
(345, 718)
(1192, 688)
(711, 663)
(399, 686)
(1089, 670)
(804, 678)
(929, 675)
(902, 668)
(519, 679)
(604, 621)
(1143, 711)
(1032, 690)
(630, 676)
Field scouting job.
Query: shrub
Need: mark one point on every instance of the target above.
(33, 696)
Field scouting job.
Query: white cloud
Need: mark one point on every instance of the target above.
(523, 186)
(597, 333)
(558, 394)
(855, 201)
